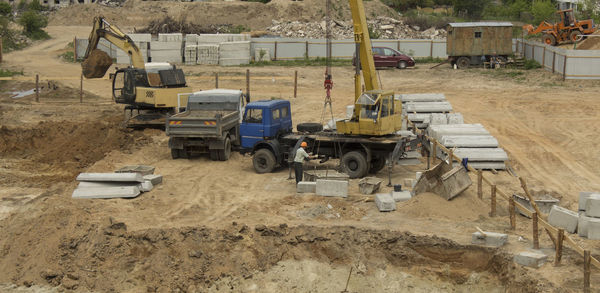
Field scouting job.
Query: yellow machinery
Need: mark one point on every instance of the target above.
(568, 29)
(376, 113)
(154, 90)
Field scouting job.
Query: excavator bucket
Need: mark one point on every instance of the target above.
(96, 64)
(444, 181)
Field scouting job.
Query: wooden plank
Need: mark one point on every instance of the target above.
(479, 184)
(586, 271)
(531, 201)
(493, 199)
(559, 246)
(512, 213)
(536, 239)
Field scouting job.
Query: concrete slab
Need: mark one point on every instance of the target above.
(332, 188)
(106, 192)
(146, 186)
(420, 97)
(385, 202)
(428, 107)
(438, 131)
(469, 141)
(531, 259)
(583, 196)
(482, 154)
(488, 165)
(159, 46)
(142, 169)
(172, 37)
(306, 187)
(563, 218)
(117, 177)
(399, 196)
(592, 206)
(455, 118)
(438, 119)
(593, 229)
(96, 184)
(154, 178)
(422, 118)
(489, 239)
(582, 224)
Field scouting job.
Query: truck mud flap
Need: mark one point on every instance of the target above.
(216, 144)
(175, 143)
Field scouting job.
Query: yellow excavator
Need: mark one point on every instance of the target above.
(152, 91)
(375, 111)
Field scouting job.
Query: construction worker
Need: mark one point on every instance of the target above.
(301, 156)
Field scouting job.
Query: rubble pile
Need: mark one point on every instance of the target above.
(383, 27)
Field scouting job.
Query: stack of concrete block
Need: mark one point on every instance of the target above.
(589, 215)
(168, 48)
(207, 54)
(222, 38)
(141, 41)
(114, 185)
(173, 37)
(234, 53)
(190, 54)
(470, 141)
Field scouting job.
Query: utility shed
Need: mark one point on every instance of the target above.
(479, 39)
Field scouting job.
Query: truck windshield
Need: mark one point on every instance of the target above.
(253, 116)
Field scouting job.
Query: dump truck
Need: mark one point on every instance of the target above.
(151, 91)
(473, 43)
(210, 124)
(568, 29)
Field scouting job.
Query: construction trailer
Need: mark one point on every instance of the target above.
(473, 43)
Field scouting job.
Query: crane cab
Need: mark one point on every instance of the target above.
(375, 113)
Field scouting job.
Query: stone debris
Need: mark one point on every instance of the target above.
(384, 27)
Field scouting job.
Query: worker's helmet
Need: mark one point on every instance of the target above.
(304, 144)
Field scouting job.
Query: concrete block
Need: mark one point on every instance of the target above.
(593, 229)
(428, 107)
(592, 206)
(173, 37)
(488, 165)
(401, 195)
(409, 182)
(154, 45)
(455, 118)
(438, 119)
(583, 224)
(490, 239)
(155, 179)
(332, 188)
(420, 97)
(191, 39)
(469, 141)
(96, 184)
(119, 177)
(385, 202)
(306, 187)
(482, 154)
(583, 196)
(563, 218)
(106, 192)
(141, 37)
(531, 259)
(146, 186)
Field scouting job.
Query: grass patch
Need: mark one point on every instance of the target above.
(9, 73)
(67, 56)
(303, 62)
(430, 60)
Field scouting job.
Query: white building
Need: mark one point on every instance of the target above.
(568, 4)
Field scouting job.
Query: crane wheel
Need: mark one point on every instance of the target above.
(355, 164)
(549, 39)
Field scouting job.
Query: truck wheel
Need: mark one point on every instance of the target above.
(377, 163)
(263, 161)
(309, 127)
(214, 155)
(574, 36)
(175, 154)
(549, 39)
(225, 153)
(463, 63)
(402, 65)
(354, 164)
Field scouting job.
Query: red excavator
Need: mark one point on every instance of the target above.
(567, 30)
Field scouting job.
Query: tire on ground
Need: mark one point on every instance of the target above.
(309, 127)
(574, 36)
(225, 153)
(463, 62)
(263, 161)
(355, 164)
(377, 163)
(549, 39)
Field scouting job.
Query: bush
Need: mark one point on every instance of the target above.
(470, 8)
(532, 64)
(32, 23)
(5, 9)
(22, 5)
(35, 5)
(425, 21)
(542, 10)
(9, 41)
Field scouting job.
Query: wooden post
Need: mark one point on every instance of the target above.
(216, 80)
(37, 88)
(544, 58)
(0, 49)
(533, 52)
(565, 68)
(586, 271)
(493, 203)
(306, 50)
(74, 49)
(479, 184)
(512, 213)
(431, 49)
(295, 82)
(559, 246)
(275, 52)
(81, 89)
(433, 151)
(398, 45)
(553, 60)
(536, 239)
(450, 157)
(531, 201)
(248, 83)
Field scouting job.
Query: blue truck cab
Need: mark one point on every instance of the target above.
(263, 121)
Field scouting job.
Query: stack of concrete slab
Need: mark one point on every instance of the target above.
(207, 54)
(173, 37)
(191, 39)
(141, 41)
(114, 185)
(471, 141)
(588, 224)
(425, 109)
(190, 54)
(234, 53)
(222, 38)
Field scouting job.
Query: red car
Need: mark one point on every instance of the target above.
(388, 57)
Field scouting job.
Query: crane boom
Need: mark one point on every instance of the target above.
(363, 49)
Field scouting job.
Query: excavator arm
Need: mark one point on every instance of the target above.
(97, 62)
(544, 26)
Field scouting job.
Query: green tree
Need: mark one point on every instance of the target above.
(5, 9)
(35, 5)
(33, 22)
(590, 11)
(470, 8)
(542, 10)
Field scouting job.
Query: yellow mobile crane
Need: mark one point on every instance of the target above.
(375, 111)
(154, 90)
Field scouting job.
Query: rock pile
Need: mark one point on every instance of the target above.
(382, 27)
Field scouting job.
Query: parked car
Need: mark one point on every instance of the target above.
(388, 57)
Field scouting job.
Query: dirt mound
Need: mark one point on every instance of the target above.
(592, 43)
(96, 64)
(106, 257)
(428, 204)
